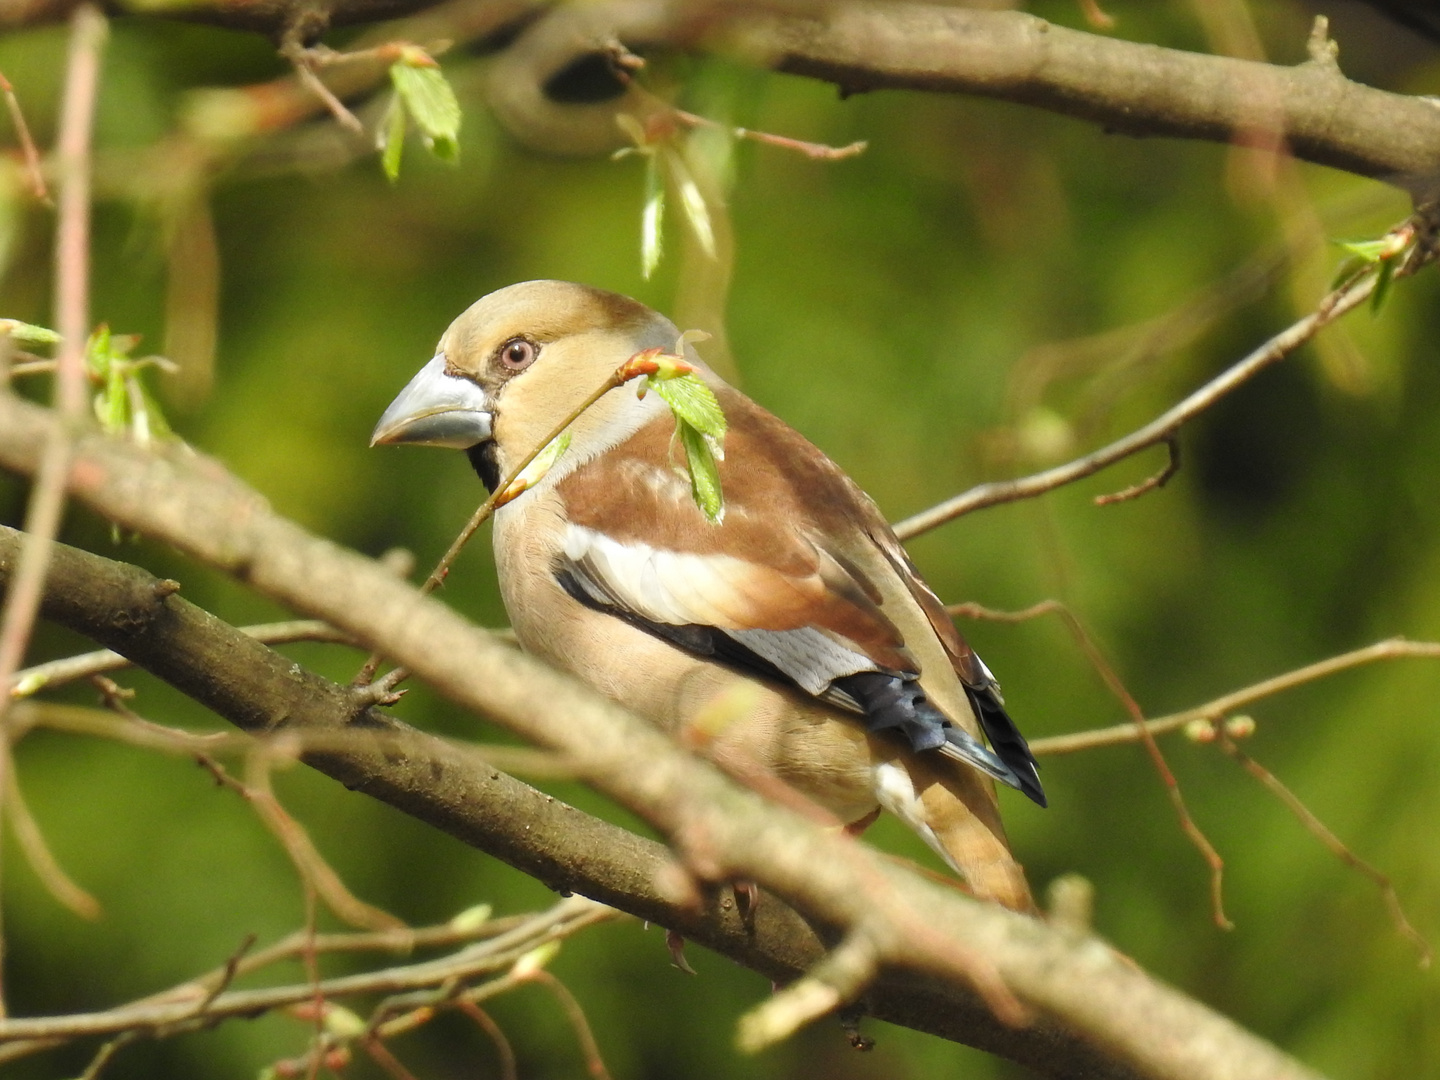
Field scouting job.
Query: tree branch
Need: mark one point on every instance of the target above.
(1125, 86)
(1066, 983)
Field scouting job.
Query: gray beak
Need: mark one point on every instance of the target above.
(436, 409)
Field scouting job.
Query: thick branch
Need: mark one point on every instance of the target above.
(1128, 87)
(1078, 983)
(263, 692)
(1125, 86)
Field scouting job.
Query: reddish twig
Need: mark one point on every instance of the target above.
(27, 143)
(1137, 716)
(72, 304)
(486, 1023)
(37, 852)
(1337, 847)
(381, 1055)
(594, 1063)
(641, 364)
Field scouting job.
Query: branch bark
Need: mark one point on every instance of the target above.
(1311, 109)
(1066, 983)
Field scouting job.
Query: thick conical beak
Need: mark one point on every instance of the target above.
(436, 409)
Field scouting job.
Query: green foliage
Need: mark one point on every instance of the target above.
(28, 334)
(700, 427)
(123, 404)
(425, 97)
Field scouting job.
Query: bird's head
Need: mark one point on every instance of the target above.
(516, 364)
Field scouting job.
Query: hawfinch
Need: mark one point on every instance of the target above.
(799, 603)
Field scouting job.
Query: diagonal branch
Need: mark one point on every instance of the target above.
(1071, 985)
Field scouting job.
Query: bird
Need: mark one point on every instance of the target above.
(796, 604)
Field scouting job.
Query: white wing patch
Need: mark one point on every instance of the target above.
(807, 655)
(681, 589)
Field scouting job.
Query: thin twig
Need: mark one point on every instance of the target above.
(1338, 848)
(382, 1056)
(1344, 299)
(1150, 483)
(311, 865)
(1142, 734)
(594, 1063)
(1391, 649)
(303, 60)
(176, 1017)
(486, 1023)
(27, 143)
(55, 673)
(72, 307)
(37, 852)
(106, 1054)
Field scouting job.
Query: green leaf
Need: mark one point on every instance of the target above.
(431, 103)
(98, 355)
(112, 404)
(1347, 269)
(693, 403)
(28, 333)
(693, 203)
(1368, 251)
(1383, 279)
(652, 218)
(392, 138)
(704, 472)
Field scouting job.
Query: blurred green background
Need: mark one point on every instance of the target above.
(931, 314)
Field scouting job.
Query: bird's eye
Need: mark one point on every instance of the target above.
(517, 354)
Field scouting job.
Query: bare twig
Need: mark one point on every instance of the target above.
(55, 673)
(72, 303)
(1337, 847)
(27, 144)
(486, 1023)
(1342, 300)
(37, 852)
(1391, 649)
(171, 1015)
(311, 865)
(1150, 483)
(594, 1063)
(1142, 733)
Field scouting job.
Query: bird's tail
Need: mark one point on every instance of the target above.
(960, 808)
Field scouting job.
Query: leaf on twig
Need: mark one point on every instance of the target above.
(700, 428)
(430, 101)
(28, 333)
(652, 219)
(123, 404)
(1382, 254)
(390, 139)
(691, 201)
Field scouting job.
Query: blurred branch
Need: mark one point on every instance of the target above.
(55, 673)
(1129, 87)
(72, 315)
(1079, 993)
(192, 1007)
(442, 785)
(1341, 300)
